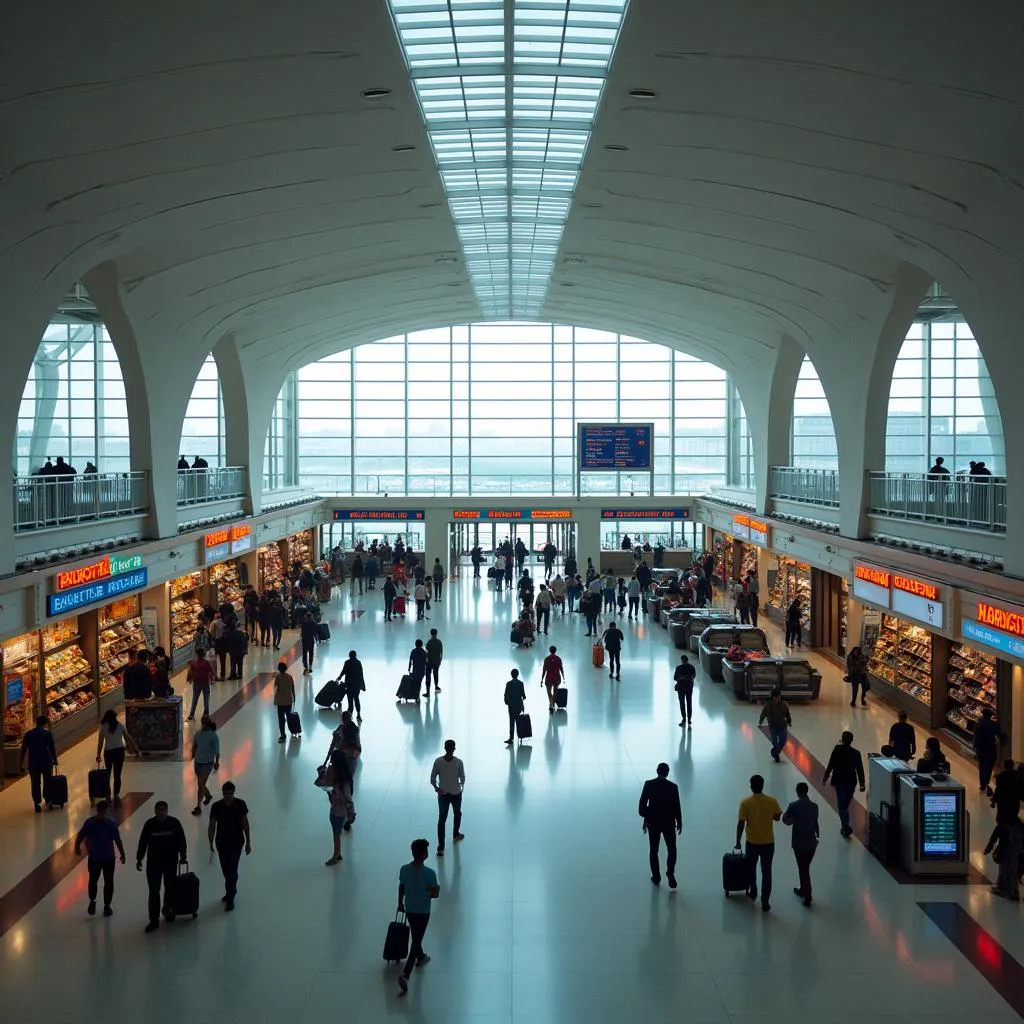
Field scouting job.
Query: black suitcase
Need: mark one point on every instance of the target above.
(323, 632)
(524, 728)
(330, 694)
(55, 790)
(396, 943)
(184, 899)
(561, 698)
(294, 723)
(735, 873)
(408, 689)
(99, 785)
(516, 637)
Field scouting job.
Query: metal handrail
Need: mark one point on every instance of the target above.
(811, 486)
(49, 501)
(215, 483)
(973, 503)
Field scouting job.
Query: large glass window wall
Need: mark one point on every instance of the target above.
(813, 441)
(202, 432)
(941, 403)
(492, 409)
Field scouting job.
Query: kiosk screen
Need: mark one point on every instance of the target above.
(940, 825)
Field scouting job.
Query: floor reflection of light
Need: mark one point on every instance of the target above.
(940, 972)
(17, 941)
(747, 731)
(71, 893)
(989, 951)
(240, 759)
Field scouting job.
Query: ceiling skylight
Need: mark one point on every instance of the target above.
(509, 90)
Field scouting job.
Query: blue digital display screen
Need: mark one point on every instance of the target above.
(995, 638)
(616, 446)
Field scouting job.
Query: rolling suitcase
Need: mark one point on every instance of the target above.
(330, 694)
(735, 873)
(399, 605)
(516, 637)
(55, 791)
(294, 723)
(598, 655)
(408, 689)
(524, 727)
(561, 698)
(99, 785)
(184, 899)
(323, 632)
(325, 591)
(396, 943)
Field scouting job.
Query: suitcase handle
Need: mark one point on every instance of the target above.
(183, 864)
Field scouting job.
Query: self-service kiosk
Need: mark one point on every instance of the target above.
(934, 825)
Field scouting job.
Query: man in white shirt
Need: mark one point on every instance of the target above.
(421, 597)
(448, 777)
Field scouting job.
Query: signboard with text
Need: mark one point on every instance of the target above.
(241, 539)
(371, 515)
(609, 447)
(644, 514)
(536, 515)
(871, 584)
(994, 624)
(96, 593)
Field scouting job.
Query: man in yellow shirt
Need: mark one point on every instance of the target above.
(758, 814)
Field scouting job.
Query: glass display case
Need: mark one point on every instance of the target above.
(971, 677)
(300, 549)
(228, 584)
(18, 698)
(187, 584)
(792, 580)
(902, 656)
(120, 636)
(68, 683)
(749, 563)
(271, 568)
(185, 612)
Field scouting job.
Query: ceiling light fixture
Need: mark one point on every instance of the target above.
(446, 258)
(643, 94)
(375, 94)
(574, 261)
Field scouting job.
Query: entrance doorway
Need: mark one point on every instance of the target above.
(348, 534)
(462, 537)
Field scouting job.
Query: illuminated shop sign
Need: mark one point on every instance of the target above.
(513, 515)
(112, 565)
(645, 513)
(96, 593)
(217, 546)
(741, 527)
(871, 584)
(241, 539)
(1001, 618)
(356, 515)
(907, 596)
(996, 626)
(759, 532)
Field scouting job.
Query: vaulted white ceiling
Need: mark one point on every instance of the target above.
(794, 155)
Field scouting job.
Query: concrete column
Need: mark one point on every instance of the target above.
(435, 529)
(588, 535)
(236, 416)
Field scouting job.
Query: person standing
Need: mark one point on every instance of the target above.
(794, 621)
(802, 817)
(552, 675)
(110, 750)
(515, 700)
(355, 683)
(417, 887)
(613, 645)
(663, 819)
(437, 575)
(1007, 839)
(308, 635)
(776, 714)
(390, 593)
(284, 697)
(499, 572)
(1008, 790)
(857, 675)
(163, 839)
(543, 609)
(549, 553)
(357, 572)
(987, 735)
(589, 605)
(685, 677)
(237, 641)
(753, 596)
(757, 815)
(39, 757)
(608, 592)
(205, 759)
(902, 738)
(448, 777)
(476, 556)
(371, 569)
(846, 770)
(251, 604)
(633, 597)
(275, 616)
(435, 654)
(136, 679)
(229, 835)
(101, 836)
(420, 596)
(200, 674)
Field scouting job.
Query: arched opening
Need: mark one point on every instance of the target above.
(813, 435)
(493, 409)
(202, 431)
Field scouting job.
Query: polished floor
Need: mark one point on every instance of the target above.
(547, 912)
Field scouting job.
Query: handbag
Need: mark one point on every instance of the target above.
(325, 776)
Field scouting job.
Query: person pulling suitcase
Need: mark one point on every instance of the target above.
(515, 700)
(162, 845)
(417, 889)
(39, 755)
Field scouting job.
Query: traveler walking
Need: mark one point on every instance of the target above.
(776, 714)
(857, 675)
(100, 836)
(205, 759)
(549, 553)
(558, 590)
(573, 592)
(275, 615)
(418, 664)
(515, 700)
(437, 575)
(757, 815)
(162, 845)
(448, 777)
(1008, 791)
(608, 592)
(685, 676)
(251, 604)
(633, 597)
(753, 595)
(590, 603)
(200, 674)
(902, 738)
(371, 569)
(421, 596)
(110, 750)
(794, 619)
(342, 808)
(308, 635)
(613, 645)
(346, 739)
(357, 572)
(39, 757)
(417, 887)
(284, 697)
(352, 673)
(802, 816)
(229, 835)
(571, 567)
(435, 654)
(663, 819)
(987, 736)
(543, 608)
(390, 593)
(521, 553)
(552, 676)
(1006, 844)
(846, 770)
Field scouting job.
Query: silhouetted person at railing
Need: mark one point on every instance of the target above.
(46, 469)
(200, 463)
(90, 470)
(62, 468)
(201, 482)
(183, 463)
(938, 470)
(979, 469)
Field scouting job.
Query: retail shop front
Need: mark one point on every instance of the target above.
(490, 527)
(665, 537)
(351, 526)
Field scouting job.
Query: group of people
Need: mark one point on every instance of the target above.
(60, 468)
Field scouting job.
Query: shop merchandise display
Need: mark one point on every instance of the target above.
(300, 548)
(229, 586)
(902, 656)
(59, 633)
(20, 661)
(184, 584)
(270, 567)
(185, 612)
(120, 637)
(844, 609)
(69, 682)
(749, 560)
(972, 687)
(792, 580)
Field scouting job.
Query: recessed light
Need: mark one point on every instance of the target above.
(447, 258)
(591, 206)
(430, 206)
(405, 148)
(643, 94)
(454, 284)
(574, 261)
(614, 148)
(375, 94)
(568, 284)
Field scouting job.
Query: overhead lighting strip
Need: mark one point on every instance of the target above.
(509, 90)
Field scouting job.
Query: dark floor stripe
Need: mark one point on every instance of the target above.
(998, 967)
(813, 771)
(252, 689)
(41, 881)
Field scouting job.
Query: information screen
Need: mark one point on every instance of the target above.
(940, 825)
(616, 446)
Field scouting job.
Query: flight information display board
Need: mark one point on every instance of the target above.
(615, 447)
(940, 825)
